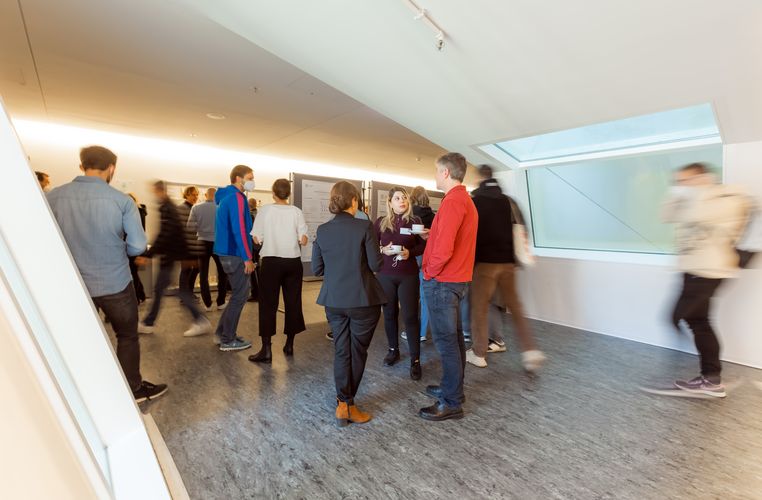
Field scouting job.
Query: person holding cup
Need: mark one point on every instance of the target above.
(398, 235)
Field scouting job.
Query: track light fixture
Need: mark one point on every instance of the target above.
(420, 14)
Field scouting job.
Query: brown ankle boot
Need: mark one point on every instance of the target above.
(342, 414)
(358, 417)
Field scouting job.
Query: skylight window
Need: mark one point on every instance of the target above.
(696, 122)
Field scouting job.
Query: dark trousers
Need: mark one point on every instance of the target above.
(275, 275)
(254, 285)
(693, 307)
(401, 293)
(187, 281)
(222, 280)
(140, 292)
(444, 301)
(239, 285)
(121, 309)
(352, 332)
(162, 282)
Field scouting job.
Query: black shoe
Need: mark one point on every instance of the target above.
(329, 336)
(265, 354)
(149, 391)
(392, 357)
(288, 349)
(434, 391)
(415, 369)
(440, 411)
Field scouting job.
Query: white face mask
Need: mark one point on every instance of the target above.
(249, 186)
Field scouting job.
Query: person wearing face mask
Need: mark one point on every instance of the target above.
(102, 228)
(399, 276)
(709, 220)
(233, 245)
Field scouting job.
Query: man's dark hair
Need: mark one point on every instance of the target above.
(40, 175)
(696, 168)
(485, 171)
(455, 163)
(282, 189)
(96, 158)
(161, 186)
(239, 171)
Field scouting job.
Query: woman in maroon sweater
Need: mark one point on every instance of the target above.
(399, 276)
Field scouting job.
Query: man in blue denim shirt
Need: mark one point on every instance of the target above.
(102, 227)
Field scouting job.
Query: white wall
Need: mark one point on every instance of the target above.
(633, 301)
(54, 149)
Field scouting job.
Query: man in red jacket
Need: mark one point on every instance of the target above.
(448, 265)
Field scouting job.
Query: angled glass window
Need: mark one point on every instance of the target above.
(696, 122)
(609, 204)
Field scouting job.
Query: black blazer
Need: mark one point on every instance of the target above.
(345, 252)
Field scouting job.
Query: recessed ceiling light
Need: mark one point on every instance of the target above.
(216, 116)
(192, 135)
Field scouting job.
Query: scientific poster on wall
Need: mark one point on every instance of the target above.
(379, 193)
(435, 199)
(311, 194)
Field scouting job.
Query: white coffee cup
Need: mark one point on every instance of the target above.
(406, 230)
(395, 248)
(418, 228)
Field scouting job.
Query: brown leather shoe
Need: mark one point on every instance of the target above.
(342, 414)
(358, 417)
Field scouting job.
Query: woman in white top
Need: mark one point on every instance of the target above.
(281, 230)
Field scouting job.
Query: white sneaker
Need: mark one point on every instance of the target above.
(403, 335)
(143, 328)
(423, 338)
(199, 327)
(221, 307)
(475, 360)
(208, 308)
(496, 346)
(532, 360)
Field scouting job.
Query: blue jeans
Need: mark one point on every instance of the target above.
(465, 310)
(239, 285)
(445, 303)
(424, 309)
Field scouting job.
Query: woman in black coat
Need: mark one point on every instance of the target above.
(345, 252)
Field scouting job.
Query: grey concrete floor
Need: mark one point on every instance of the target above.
(582, 429)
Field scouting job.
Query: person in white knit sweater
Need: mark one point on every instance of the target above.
(709, 219)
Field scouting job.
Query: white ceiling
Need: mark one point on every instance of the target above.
(509, 68)
(156, 68)
(512, 68)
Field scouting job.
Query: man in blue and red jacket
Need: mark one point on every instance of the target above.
(448, 265)
(233, 245)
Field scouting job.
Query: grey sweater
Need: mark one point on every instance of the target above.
(202, 216)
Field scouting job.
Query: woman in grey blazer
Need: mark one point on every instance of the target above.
(345, 252)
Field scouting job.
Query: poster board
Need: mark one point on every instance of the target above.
(311, 193)
(379, 192)
(175, 192)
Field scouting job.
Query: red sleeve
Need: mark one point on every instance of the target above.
(244, 235)
(450, 218)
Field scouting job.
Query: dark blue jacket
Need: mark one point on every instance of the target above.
(345, 252)
(232, 229)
